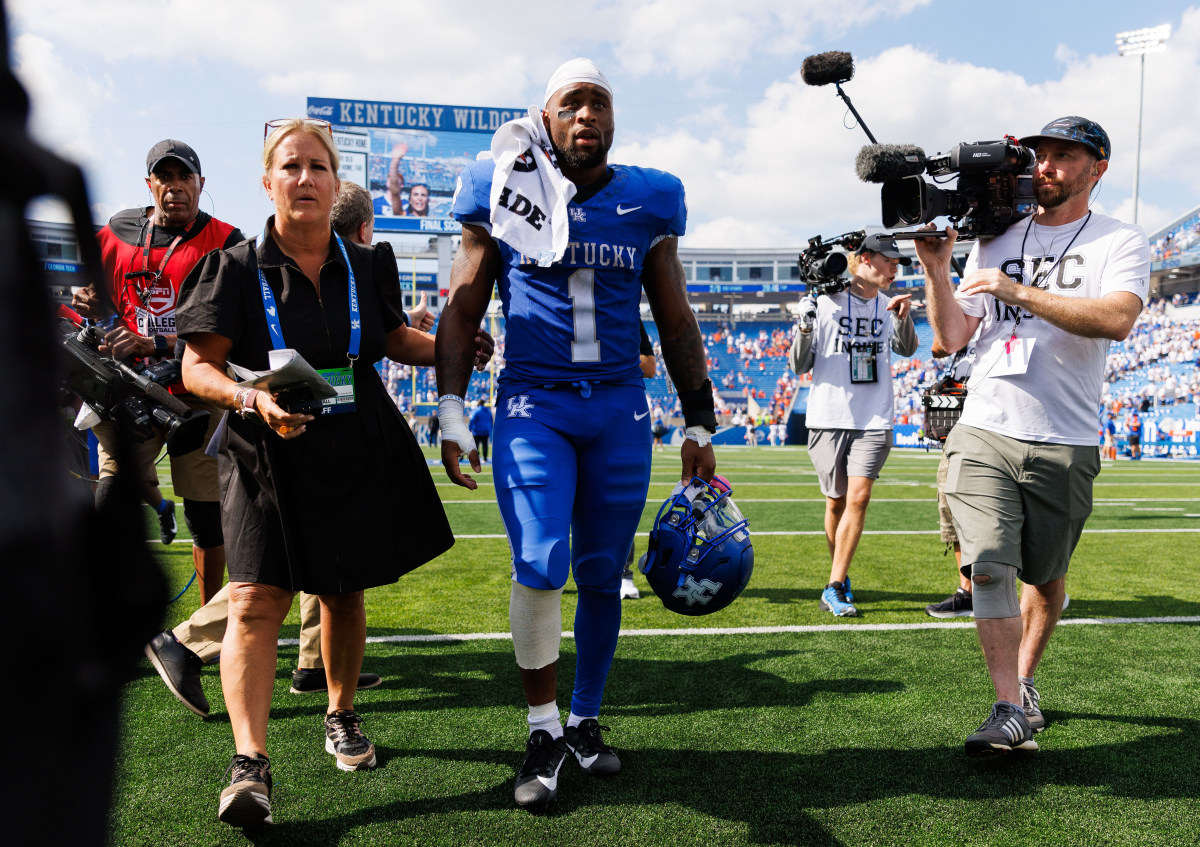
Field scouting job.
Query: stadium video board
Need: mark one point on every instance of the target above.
(424, 145)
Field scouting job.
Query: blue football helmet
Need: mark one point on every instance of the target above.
(700, 555)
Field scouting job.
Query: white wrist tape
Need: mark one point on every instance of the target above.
(452, 419)
(698, 434)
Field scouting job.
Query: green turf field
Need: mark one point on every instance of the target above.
(820, 733)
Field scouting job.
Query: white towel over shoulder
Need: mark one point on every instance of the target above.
(524, 167)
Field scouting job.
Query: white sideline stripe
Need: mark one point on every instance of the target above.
(1125, 501)
(753, 630)
(821, 532)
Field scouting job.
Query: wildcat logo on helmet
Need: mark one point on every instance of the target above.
(700, 557)
(692, 592)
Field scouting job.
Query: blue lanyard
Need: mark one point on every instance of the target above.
(272, 313)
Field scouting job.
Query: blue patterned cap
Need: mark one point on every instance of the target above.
(1074, 128)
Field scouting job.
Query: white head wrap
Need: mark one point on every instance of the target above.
(576, 70)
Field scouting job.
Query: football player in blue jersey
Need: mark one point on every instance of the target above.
(572, 242)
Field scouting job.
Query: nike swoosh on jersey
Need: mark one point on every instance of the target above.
(638, 417)
(621, 211)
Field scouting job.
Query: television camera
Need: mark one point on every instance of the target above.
(134, 398)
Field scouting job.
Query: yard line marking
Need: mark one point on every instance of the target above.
(758, 630)
(1128, 501)
(821, 532)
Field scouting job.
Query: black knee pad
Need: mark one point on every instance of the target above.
(106, 489)
(203, 518)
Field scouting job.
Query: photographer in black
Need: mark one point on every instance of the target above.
(147, 253)
(846, 339)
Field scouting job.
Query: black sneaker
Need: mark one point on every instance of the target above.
(537, 778)
(593, 755)
(957, 605)
(247, 800)
(167, 528)
(1006, 729)
(353, 750)
(311, 680)
(179, 668)
(1031, 702)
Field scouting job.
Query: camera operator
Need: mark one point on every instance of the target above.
(147, 253)
(1047, 297)
(847, 340)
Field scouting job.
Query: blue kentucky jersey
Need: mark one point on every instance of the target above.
(579, 319)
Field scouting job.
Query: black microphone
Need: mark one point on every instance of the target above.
(825, 68)
(883, 162)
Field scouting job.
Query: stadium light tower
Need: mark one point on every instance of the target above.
(1139, 42)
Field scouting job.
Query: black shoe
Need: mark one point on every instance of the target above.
(353, 750)
(179, 668)
(537, 778)
(957, 605)
(247, 800)
(311, 680)
(593, 755)
(167, 528)
(1006, 729)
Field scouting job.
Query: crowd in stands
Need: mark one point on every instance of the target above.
(1156, 370)
(1184, 238)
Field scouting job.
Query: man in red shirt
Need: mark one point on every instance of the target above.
(147, 252)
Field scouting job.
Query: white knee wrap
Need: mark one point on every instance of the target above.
(996, 595)
(535, 617)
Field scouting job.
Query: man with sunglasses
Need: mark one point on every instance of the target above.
(1046, 296)
(147, 252)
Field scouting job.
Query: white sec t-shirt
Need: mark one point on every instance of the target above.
(1053, 392)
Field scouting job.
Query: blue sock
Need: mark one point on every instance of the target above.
(163, 505)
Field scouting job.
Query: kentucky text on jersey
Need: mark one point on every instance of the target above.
(590, 254)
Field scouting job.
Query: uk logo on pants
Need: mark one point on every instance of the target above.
(518, 407)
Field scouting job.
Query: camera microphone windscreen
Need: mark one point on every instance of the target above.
(882, 162)
(825, 68)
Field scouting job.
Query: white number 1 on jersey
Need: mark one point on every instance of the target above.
(581, 287)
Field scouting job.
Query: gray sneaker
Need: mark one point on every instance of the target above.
(247, 801)
(349, 746)
(1031, 703)
(1006, 729)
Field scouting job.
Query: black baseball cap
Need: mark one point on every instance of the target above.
(1074, 128)
(885, 245)
(172, 149)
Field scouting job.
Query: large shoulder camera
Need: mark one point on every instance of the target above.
(995, 185)
(822, 267)
(134, 398)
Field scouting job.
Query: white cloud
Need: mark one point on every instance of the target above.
(104, 78)
(788, 166)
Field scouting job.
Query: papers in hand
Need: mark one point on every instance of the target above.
(288, 369)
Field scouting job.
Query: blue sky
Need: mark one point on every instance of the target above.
(706, 89)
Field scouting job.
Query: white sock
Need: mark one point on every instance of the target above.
(545, 717)
(576, 720)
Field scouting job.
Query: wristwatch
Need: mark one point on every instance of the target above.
(160, 345)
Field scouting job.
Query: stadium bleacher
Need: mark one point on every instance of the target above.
(1156, 369)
